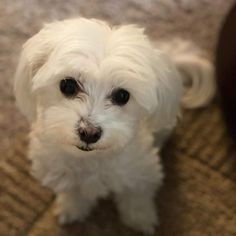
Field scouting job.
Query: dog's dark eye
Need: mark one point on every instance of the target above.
(69, 87)
(120, 97)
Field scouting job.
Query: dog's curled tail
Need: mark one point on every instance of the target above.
(197, 73)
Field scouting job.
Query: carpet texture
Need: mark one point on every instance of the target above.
(198, 197)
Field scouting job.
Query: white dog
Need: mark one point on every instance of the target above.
(95, 95)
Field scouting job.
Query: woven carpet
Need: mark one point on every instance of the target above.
(199, 194)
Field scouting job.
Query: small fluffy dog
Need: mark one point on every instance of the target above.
(94, 95)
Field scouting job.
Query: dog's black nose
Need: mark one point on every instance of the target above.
(90, 134)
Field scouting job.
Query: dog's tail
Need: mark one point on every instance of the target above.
(196, 71)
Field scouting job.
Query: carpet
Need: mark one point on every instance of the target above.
(198, 197)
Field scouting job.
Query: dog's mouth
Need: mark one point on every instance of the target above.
(85, 149)
(90, 149)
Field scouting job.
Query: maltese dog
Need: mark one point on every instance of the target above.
(95, 95)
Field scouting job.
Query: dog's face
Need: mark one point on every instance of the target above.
(88, 108)
(87, 86)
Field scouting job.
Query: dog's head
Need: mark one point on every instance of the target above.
(86, 85)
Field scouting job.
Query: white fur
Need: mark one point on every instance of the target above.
(123, 161)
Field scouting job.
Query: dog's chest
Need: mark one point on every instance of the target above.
(104, 174)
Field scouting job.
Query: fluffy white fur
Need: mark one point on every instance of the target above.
(123, 162)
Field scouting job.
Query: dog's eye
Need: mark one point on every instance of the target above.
(120, 97)
(69, 87)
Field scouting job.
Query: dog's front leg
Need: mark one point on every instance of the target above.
(137, 209)
(72, 206)
(140, 179)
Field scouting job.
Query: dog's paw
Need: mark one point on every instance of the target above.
(70, 211)
(67, 214)
(67, 217)
(144, 220)
(70, 215)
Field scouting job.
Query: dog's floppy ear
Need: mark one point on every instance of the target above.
(34, 54)
(22, 88)
(168, 91)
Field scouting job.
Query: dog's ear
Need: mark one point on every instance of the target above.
(169, 92)
(22, 88)
(34, 54)
(168, 89)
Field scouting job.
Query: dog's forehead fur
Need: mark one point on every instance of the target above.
(90, 38)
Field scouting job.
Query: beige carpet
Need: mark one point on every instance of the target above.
(199, 195)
